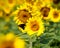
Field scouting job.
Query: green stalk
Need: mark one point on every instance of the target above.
(30, 41)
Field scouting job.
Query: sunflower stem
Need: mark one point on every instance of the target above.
(30, 46)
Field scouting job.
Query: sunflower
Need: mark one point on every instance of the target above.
(55, 15)
(34, 25)
(45, 9)
(11, 41)
(22, 15)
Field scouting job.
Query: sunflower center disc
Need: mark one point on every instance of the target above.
(56, 14)
(24, 16)
(34, 26)
(45, 11)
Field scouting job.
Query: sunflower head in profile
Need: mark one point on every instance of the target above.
(55, 15)
(11, 41)
(45, 12)
(34, 25)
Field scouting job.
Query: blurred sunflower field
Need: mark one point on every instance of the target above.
(29, 23)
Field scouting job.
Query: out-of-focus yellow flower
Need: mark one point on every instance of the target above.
(34, 25)
(10, 3)
(19, 2)
(55, 15)
(2, 4)
(1, 13)
(19, 43)
(45, 11)
(7, 17)
(11, 41)
(10, 36)
(7, 13)
(7, 9)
